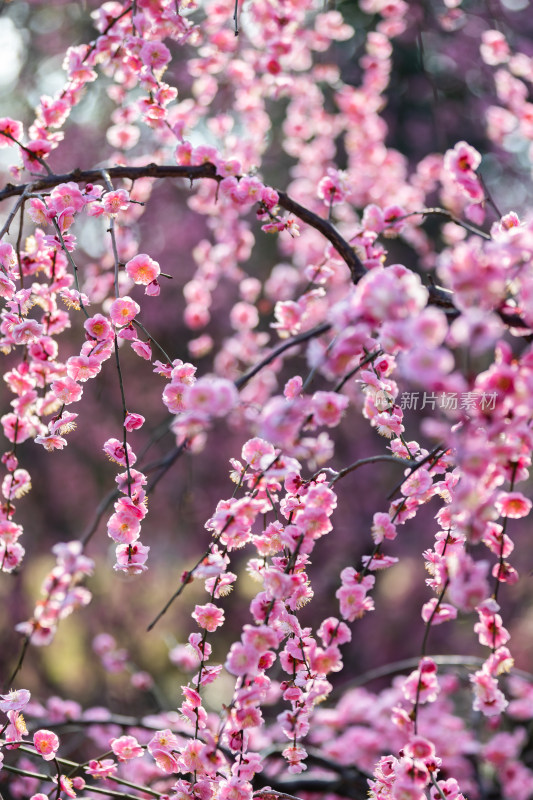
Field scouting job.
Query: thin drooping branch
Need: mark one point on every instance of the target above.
(369, 460)
(13, 212)
(287, 344)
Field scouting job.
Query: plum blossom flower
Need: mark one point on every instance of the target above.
(382, 527)
(494, 48)
(102, 769)
(487, 697)
(352, 596)
(113, 202)
(14, 700)
(155, 55)
(123, 310)
(67, 390)
(242, 659)
(133, 421)
(51, 442)
(143, 349)
(461, 163)
(66, 784)
(98, 327)
(126, 748)
(513, 505)
(208, 616)
(328, 408)
(131, 558)
(46, 743)
(142, 269)
(437, 615)
(10, 129)
(333, 188)
(116, 452)
(422, 683)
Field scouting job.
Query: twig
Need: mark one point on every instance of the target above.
(72, 264)
(296, 340)
(17, 669)
(362, 461)
(12, 213)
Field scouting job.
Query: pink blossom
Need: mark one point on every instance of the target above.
(295, 755)
(123, 310)
(352, 596)
(513, 505)
(131, 558)
(440, 614)
(242, 659)
(51, 442)
(165, 761)
(38, 211)
(126, 748)
(46, 743)
(333, 188)
(9, 129)
(66, 784)
(102, 769)
(16, 728)
(211, 396)
(113, 202)
(490, 628)
(468, 583)
(244, 316)
(65, 196)
(487, 697)
(163, 740)
(208, 616)
(123, 529)
(382, 527)
(67, 390)
(142, 269)
(235, 789)
(142, 680)
(82, 368)
(98, 327)
(133, 422)
(15, 700)
(116, 452)
(143, 349)
(494, 48)
(422, 683)
(123, 136)
(155, 55)
(328, 408)
(16, 429)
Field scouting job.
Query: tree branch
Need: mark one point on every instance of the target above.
(193, 173)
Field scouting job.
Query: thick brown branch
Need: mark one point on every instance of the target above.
(328, 230)
(437, 296)
(194, 173)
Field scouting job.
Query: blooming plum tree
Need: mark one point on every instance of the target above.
(386, 326)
